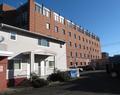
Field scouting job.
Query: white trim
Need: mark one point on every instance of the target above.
(5, 53)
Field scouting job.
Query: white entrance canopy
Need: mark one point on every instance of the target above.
(5, 53)
(41, 52)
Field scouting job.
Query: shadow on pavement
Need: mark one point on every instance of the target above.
(98, 82)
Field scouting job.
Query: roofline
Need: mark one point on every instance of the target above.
(2, 25)
(7, 5)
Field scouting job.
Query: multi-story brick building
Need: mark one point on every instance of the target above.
(82, 46)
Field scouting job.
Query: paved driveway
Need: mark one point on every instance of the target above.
(91, 83)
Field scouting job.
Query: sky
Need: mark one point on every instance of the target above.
(102, 17)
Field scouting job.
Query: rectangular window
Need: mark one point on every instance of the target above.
(71, 53)
(14, 64)
(17, 64)
(75, 36)
(69, 33)
(70, 43)
(46, 12)
(76, 63)
(13, 36)
(63, 31)
(62, 20)
(75, 45)
(79, 37)
(43, 42)
(56, 17)
(47, 26)
(51, 64)
(38, 8)
(56, 29)
(60, 45)
(79, 45)
(76, 54)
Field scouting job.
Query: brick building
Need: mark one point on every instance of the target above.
(82, 46)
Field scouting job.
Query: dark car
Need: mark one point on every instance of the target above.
(113, 69)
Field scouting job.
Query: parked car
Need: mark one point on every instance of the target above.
(113, 69)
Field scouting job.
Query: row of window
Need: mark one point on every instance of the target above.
(41, 41)
(79, 63)
(82, 47)
(69, 34)
(46, 12)
(16, 64)
(81, 55)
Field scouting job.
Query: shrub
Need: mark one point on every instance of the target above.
(37, 82)
(59, 76)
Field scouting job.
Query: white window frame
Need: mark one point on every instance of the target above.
(48, 26)
(56, 17)
(62, 20)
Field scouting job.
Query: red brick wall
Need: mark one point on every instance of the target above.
(3, 82)
(37, 23)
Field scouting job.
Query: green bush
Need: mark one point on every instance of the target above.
(37, 82)
(59, 76)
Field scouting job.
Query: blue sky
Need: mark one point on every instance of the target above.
(101, 17)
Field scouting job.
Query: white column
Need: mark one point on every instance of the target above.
(32, 61)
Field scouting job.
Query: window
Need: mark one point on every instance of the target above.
(84, 55)
(79, 45)
(70, 43)
(43, 42)
(75, 36)
(75, 45)
(89, 42)
(80, 63)
(86, 41)
(47, 26)
(46, 12)
(56, 17)
(76, 63)
(62, 20)
(76, 54)
(69, 33)
(17, 64)
(60, 45)
(63, 31)
(51, 64)
(83, 39)
(13, 36)
(38, 8)
(71, 53)
(79, 37)
(71, 63)
(56, 29)
(83, 47)
(24, 17)
(14, 64)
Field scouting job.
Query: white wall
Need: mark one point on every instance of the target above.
(25, 43)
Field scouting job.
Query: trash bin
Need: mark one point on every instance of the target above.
(74, 73)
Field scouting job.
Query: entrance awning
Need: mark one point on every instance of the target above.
(42, 52)
(5, 53)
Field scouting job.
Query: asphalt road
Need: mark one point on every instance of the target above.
(90, 83)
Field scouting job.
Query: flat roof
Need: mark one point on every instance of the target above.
(6, 26)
